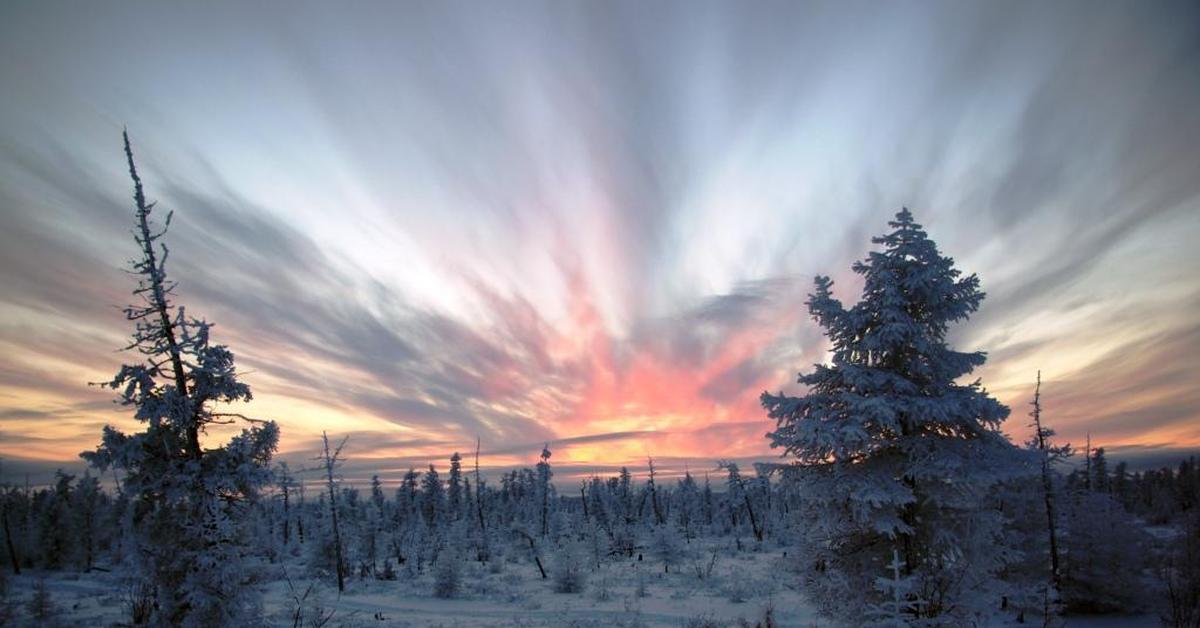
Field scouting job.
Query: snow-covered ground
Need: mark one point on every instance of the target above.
(505, 593)
(739, 592)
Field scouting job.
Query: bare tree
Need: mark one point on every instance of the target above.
(286, 481)
(330, 462)
(1047, 493)
(8, 542)
(658, 516)
(1048, 454)
(483, 537)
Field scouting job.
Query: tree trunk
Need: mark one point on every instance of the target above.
(12, 552)
(330, 461)
(1055, 574)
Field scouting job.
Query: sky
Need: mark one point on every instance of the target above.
(594, 224)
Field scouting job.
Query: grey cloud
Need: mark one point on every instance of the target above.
(1078, 124)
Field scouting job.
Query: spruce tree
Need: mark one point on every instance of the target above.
(544, 490)
(433, 498)
(892, 452)
(1100, 480)
(188, 499)
(454, 488)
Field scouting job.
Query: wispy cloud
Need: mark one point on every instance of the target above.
(595, 226)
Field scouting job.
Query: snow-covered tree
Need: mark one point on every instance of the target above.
(1100, 480)
(433, 498)
(891, 450)
(687, 505)
(544, 490)
(189, 497)
(87, 502)
(454, 488)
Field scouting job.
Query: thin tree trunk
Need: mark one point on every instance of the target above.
(12, 552)
(658, 517)
(758, 533)
(1087, 477)
(287, 518)
(1055, 575)
(484, 553)
(330, 461)
(533, 549)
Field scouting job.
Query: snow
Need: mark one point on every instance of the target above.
(741, 588)
(516, 597)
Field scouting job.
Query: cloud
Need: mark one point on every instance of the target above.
(595, 227)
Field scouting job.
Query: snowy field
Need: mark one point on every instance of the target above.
(503, 593)
(506, 593)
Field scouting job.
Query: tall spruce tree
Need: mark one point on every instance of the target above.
(454, 488)
(188, 498)
(891, 451)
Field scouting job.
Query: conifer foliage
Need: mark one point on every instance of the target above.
(189, 499)
(892, 453)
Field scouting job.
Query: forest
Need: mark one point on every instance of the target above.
(898, 500)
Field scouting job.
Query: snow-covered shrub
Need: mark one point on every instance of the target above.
(738, 589)
(139, 602)
(8, 610)
(601, 591)
(1180, 574)
(624, 541)
(1105, 551)
(306, 604)
(767, 620)
(447, 575)
(703, 565)
(388, 572)
(41, 606)
(667, 547)
(569, 570)
(703, 620)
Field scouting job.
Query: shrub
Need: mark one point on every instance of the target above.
(568, 571)
(41, 606)
(447, 576)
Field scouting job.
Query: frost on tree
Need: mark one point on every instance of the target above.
(892, 452)
(188, 499)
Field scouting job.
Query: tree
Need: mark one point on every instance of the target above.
(739, 496)
(329, 463)
(87, 500)
(188, 498)
(6, 499)
(1100, 480)
(285, 482)
(433, 498)
(1048, 455)
(544, 489)
(484, 553)
(454, 489)
(889, 447)
(653, 488)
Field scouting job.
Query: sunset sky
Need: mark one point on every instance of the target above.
(594, 224)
